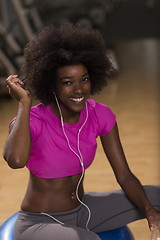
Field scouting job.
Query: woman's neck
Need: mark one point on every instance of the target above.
(68, 116)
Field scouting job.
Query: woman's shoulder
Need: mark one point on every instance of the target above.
(97, 106)
(38, 111)
(102, 116)
(37, 114)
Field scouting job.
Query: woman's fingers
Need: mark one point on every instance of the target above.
(153, 218)
(12, 79)
(16, 90)
(12, 82)
(11, 76)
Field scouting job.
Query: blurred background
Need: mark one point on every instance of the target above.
(131, 29)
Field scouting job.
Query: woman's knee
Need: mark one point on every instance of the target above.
(87, 235)
(76, 233)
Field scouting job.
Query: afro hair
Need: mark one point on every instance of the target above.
(54, 47)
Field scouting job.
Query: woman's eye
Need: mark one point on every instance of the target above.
(85, 79)
(67, 83)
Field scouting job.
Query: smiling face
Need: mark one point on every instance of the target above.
(73, 88)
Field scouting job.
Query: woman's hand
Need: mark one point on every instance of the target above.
(14, 86)
(151, 216)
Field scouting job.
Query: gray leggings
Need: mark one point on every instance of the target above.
(109, 210)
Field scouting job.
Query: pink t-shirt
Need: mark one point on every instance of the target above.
(50, 155)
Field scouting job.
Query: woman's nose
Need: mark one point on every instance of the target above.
(77, 88)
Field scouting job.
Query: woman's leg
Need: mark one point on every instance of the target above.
(109, 210)
(112, 210)
(39, 227)
(56, 232)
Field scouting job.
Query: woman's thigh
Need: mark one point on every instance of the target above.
(55, 231)
(110, 210)
(35, 226)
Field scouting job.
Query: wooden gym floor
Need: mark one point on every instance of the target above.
(134, 97)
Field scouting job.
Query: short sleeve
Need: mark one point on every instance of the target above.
(35, 125)
(105, 118)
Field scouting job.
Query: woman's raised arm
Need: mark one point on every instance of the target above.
(18, 144)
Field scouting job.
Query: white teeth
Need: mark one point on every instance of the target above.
(77, 99)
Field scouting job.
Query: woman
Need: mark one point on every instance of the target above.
(56, 140)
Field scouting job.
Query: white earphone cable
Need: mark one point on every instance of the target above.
(48, 215)
(79, 156)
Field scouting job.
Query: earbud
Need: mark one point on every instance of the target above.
(54, 94)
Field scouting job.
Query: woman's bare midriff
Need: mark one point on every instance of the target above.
(52, 195)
